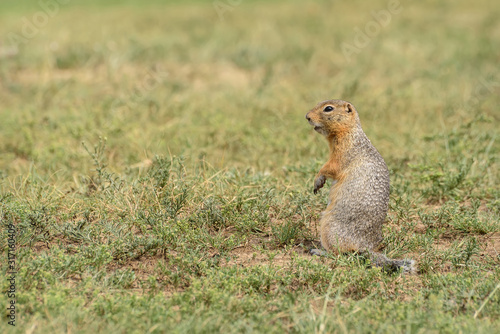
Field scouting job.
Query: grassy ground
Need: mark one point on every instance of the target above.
(158, 169)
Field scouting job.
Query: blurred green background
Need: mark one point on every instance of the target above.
(152, 149)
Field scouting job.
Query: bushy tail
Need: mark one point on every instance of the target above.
(407, 266)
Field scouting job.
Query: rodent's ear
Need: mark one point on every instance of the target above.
(348, 107)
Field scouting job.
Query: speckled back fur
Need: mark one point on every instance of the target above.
(354, 220)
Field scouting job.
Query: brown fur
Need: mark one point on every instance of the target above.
(359, 199)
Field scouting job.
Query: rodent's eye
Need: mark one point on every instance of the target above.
(328, 108)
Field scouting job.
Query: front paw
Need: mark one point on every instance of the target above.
(319, 183)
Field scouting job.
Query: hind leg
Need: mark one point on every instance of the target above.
(318, 252)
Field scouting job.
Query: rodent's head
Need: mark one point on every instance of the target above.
(333, 117)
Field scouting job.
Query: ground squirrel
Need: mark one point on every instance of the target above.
(359, 199)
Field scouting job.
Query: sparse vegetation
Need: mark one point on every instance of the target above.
(158, 168)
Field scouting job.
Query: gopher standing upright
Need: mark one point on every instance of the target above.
(359, 199)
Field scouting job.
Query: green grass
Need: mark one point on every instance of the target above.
(158, 167)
